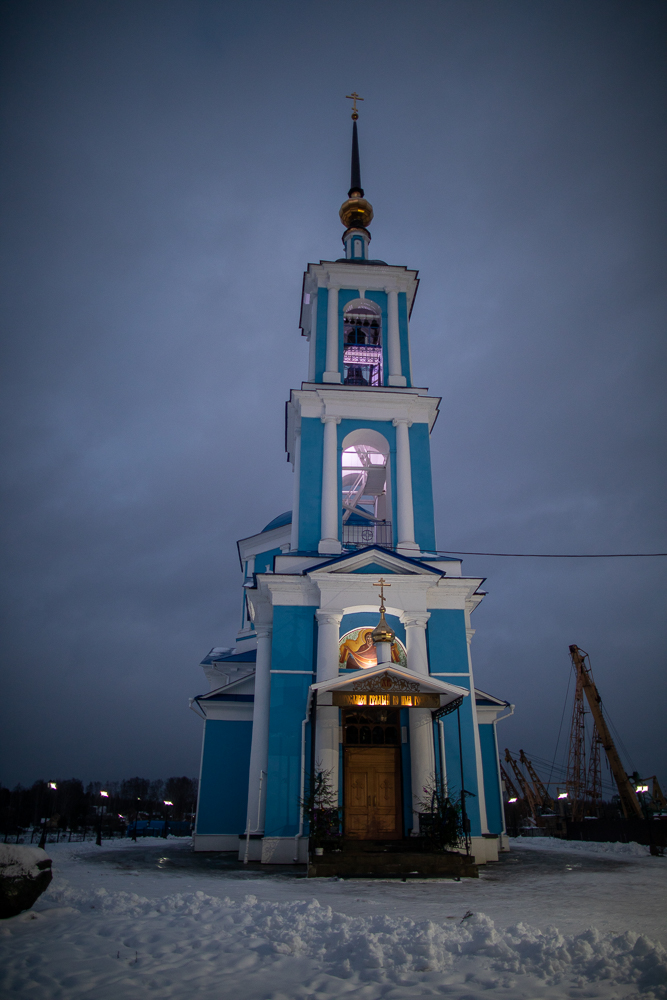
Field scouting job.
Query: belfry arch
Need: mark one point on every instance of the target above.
(362, 339)
(366, 489)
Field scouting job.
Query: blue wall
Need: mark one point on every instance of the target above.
(404, 335)
(310, 487)
(453, 759)
(264, 560)
(494, 817)
(293, 648)
(447, 645)
(223, 796)
(422, 486)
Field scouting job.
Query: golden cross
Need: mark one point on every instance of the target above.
(354, 97)
(382, 584)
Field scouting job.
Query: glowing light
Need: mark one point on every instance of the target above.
(52, 784)
(641, 788)
(167, 802)
(514, 799)
(105, 795)
(562, 795)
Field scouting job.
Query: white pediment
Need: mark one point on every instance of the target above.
(402, 687)
(387, 562)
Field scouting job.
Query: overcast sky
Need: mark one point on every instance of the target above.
(169, 170)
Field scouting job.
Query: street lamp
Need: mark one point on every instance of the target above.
(52, 786)
(166, 803)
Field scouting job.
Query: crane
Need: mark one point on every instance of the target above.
(509, 785)
(540, 789)
(523, 784)
(586, 684)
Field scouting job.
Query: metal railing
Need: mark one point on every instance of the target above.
(374, 533)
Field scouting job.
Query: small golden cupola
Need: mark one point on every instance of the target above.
(356, 213)
(383, 634)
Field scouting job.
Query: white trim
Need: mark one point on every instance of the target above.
(311, 672)
(449, 673)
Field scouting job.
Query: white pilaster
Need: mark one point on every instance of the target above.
(395, 376)
(415, 640)
(329, 543)
(294, 538)
(332, 374)
(404, 508)
(259, 748)
(328, 651)
(327, 726)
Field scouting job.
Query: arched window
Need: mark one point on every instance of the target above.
(362, 355)
(364, 486)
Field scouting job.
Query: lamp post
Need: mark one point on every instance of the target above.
(52, 786)
(166, 803)
(98, 840)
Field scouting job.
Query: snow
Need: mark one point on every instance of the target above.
(17, 861)
(149, 919)
(631, 850)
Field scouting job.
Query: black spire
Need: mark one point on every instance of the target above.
(355, 180)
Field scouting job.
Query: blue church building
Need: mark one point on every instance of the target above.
(388, 712)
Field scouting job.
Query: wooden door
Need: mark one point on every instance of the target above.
(372, 803)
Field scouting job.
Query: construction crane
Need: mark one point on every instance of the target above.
(575, 781)
(586, 685)
(528, 793)
(540, 789)
(509, 785)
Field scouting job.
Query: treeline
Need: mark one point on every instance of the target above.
(71, 806)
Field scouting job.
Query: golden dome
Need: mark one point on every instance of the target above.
(356, 212)
(383, 632)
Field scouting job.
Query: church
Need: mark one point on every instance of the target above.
(353, 657)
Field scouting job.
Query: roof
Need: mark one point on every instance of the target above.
(278, 522)
(225, 656)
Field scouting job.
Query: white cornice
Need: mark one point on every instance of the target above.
(370, 277)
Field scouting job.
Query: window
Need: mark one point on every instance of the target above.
(362, 355)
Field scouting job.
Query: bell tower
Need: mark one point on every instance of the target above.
(358, 430)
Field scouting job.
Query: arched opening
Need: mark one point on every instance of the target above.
(362, 353)
(364, 460)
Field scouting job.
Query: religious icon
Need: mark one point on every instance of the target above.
(358, 651)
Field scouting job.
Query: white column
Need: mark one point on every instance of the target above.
(422, 755)
(395, 376)
(259, 748)
(405, 529)
(327, 726)
(329, 543)
(415, 640)
(332, 374)
(422, 760)
(294, 539)
(481, 797)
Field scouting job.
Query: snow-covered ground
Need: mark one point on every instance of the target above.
(551, 920)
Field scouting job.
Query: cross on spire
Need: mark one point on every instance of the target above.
(354, 97)
(382, 584)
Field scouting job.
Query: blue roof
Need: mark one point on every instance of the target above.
(278, 522)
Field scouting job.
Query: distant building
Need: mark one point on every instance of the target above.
(315, 682)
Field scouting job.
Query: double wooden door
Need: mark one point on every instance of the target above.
(372, 795)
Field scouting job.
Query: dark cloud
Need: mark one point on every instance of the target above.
(169, 170)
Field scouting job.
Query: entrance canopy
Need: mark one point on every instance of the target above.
(387, 685)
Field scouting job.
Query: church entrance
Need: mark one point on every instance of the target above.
(372, 775)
